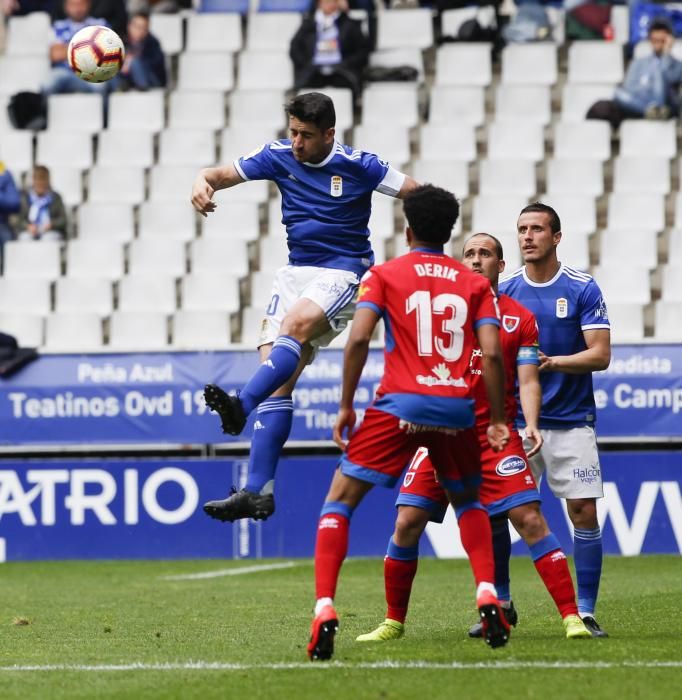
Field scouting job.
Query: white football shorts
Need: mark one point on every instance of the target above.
(333, 291)
(570, 460)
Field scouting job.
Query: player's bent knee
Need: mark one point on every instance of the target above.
(409, 525)
(583, 512)
(529, 522)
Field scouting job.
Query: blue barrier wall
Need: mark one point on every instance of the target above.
(151, 508)
(157, 398)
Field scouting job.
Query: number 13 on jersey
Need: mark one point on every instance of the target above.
(451, 311)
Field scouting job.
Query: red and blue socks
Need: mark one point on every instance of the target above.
(476, 536)
(400, 567)
(587, 555)
(331, 547)
(551, 564)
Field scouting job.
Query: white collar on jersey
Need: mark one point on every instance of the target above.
(543, 284)
(324, 162)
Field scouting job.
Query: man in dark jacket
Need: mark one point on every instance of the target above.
(329, 49)
(42, 214)
(145, 64)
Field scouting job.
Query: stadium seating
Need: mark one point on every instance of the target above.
(271, 31)
(83, 113)
(147, 291)
(75, 331)
(214, 32)
(138, 331)
(201, 330)
(626, 321)
(192, 110)
(137, 111)
(595, 62)
(27, 259)
(25, 295)
(116, 184)
(28, 329)
(497, 135)
(464, 64)
(464, 105)
(439, 142)
(84, 295)
(405, 28)
(529, 64)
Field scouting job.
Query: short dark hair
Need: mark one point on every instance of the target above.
(41, 171)
(498, 245)
(540, 208)
(140, 13)
(313, 108)
(660, 24)
(431, 213)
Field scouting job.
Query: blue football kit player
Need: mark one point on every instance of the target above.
(574, 337)
(326, 193)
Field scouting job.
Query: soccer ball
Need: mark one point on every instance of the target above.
(96, 54)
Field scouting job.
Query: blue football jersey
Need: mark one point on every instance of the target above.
(325, 206)
(564, 307)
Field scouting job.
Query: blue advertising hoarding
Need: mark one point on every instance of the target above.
(157, 397)
(151, 508)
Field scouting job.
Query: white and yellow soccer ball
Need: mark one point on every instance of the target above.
(96, 54)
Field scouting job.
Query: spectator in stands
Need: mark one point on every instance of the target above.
(9, 204)
(329, 49)
(62, 79)
(157, 6)
(42, 214)
(145, 64)
(24, 7)
(651, 84)
(113, 11)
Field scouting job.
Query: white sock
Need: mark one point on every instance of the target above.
(485, 586)
(322, 603)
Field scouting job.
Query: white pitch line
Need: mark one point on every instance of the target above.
(378, 665)
(230, 572)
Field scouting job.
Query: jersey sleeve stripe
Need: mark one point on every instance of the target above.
(486, 321)
(239, 169)
(595, 326)
(392, 182)
(369, 305)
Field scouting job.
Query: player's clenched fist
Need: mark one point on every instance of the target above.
(498, 436)
(202, 194)
(345, 422)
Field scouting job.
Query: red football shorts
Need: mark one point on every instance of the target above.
(383, 446)
(507, 480)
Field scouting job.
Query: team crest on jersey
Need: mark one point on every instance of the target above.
(510, 465)
(510, 323)
(561, 307)
(336, 187)
(362, 290)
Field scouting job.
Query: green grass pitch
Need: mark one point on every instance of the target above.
(244, 636)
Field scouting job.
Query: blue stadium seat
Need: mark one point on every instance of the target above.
(240, 6)
(285, 5)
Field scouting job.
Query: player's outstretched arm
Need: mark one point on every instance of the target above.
(530, 395)
(208, 181)
(595, 358)
(488, 336)
(354, 359)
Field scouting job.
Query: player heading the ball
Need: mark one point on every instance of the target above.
(326, 190)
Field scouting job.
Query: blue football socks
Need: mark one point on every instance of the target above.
(270, 432)
(275, 371)
(587, 553)
(501, 553)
